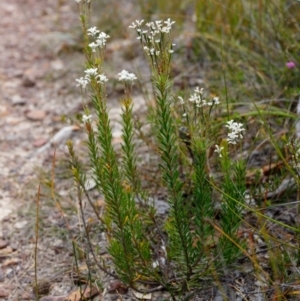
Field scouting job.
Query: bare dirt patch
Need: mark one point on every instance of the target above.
(37, 65)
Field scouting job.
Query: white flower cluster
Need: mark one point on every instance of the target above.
(153, 35)
(199, 100)
(89, 74)
(100, 38)
(155, 27)
(235, 133)
(126, 76)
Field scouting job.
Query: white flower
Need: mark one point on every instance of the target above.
(194, 98)
(235, 126)
(82, 82)
(216, 101)
(219, 150)
(152, 50)
(101, 78)
(126, 76)
(166, 29)
(236, 131)
(93, 45)
(93, 31)
(101, 40)
(136, 24)
(91, 72)
(169, 22)
(232, 137)
(150, 24)
(86, 118)
(202, 103)
(199, 91)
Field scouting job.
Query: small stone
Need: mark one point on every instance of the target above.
(21, 224)
(117, 287)
(17, 100)
(3, 244)
(28, 83)
(35, 115)
(42, 288)
(4, 293)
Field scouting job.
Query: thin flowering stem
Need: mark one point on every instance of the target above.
(157, 46)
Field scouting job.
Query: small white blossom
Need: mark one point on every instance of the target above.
(86, 118)
(235, 126)
(194, 98)
(152, 51)
(101, 78)
(166, 29)
(169, 22)
(137, 23)
(94, 46)
(202, 103)
(82, 82)
(101, 40)
(218, 150)
(198, 91)
(93, 31)
(216, 100)
(236, 131)
(91, 72)
(150, 24)
(232, 137)
(126, 76)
